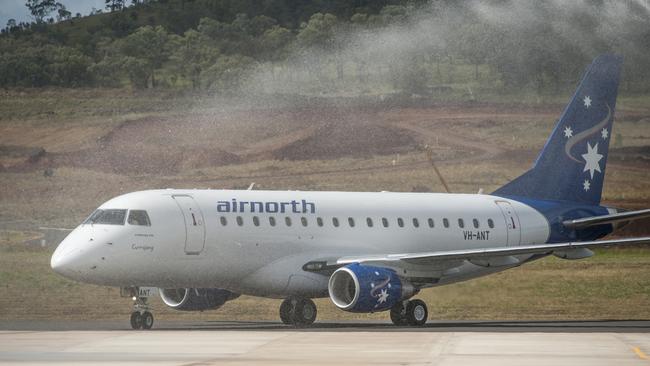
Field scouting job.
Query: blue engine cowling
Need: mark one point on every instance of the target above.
(196, 299)
(366, 289)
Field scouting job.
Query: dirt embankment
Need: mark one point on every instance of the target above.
(172, 144)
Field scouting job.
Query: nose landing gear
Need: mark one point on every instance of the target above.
(141, 317)
(298, 311)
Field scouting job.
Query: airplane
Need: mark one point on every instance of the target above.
(367, 251)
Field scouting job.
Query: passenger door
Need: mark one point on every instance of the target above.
(194, 224)
(512, 222)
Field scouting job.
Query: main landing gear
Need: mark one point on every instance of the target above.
(141, 317)
(298, 311)
(409, 312)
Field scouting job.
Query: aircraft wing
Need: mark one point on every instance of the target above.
(606, 219)
(483, 253)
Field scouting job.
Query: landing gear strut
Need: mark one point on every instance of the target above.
(409, 312)
(141, 317)
(298, 311)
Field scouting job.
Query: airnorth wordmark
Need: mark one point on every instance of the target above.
(292, 206)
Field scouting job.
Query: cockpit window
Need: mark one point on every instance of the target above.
(107, 217)
(139, 217)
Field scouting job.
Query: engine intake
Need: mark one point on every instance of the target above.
(196, 299)
(364, 289)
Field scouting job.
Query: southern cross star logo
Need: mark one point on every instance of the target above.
(587, 101)
(592, 158)
(383, 296)
(604, 134)
(568, 132)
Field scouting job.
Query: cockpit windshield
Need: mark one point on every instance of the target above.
(107, 217)
(139, 217)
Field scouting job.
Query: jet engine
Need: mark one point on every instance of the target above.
(196, 299)
(366, 289)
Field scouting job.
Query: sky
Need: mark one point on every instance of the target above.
(16, 9)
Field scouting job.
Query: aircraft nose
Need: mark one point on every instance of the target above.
(67, 259)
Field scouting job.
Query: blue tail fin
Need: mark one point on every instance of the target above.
(571, 167)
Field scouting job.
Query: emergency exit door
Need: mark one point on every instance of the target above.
(512, 222)
(194, 225)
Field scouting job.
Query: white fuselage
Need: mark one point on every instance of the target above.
(225, 238)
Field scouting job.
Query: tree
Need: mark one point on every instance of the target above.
(42, 8)
(192, 55)
(227, 73)
(63, 14)
(148, 48)
(114, 5)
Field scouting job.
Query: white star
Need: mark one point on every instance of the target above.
(383, 296)
(604, 133)
(587, 101)
(586, 185)
(568, 132)
(592, 157)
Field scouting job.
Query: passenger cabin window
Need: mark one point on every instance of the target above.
(400, 222)
(335, 222)
(256, 221)
(223, 220)
(416, 223)
(107, 217)
(369, 221)
(431, 223)
(303, 220)
(139, 217)
(491, 223)
(319, 221)
(445, 223)
(461, 223)
(240, 221)
(351, 222)
(271, 220)
(475, 223)
(287, 220)
(384, 221)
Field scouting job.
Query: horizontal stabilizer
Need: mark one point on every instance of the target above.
(606, 219)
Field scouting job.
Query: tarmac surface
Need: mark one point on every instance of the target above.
(367, 343)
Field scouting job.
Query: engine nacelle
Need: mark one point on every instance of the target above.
(365, 289)
(196, 299)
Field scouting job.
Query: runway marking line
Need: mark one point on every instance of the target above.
(640, 353)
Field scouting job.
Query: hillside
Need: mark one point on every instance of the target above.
(437, 48)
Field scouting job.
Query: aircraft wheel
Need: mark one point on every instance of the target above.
(286, 310)
(416, 313)
(136, 320)
(147, 320)
(398, 314)
(305, 312)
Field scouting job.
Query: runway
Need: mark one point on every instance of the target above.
(244, 343)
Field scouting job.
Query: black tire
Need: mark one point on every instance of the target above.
(287, 310)
(416, 313)
(136, 320)
(147, 320)
(398, 314)
(305, 312)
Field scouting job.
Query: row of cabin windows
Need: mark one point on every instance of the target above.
(351, 222)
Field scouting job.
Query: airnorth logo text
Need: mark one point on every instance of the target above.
(292, 206)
